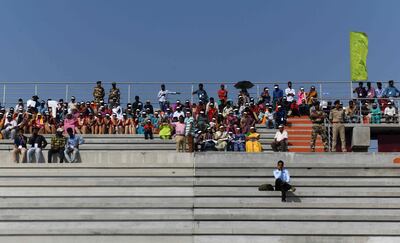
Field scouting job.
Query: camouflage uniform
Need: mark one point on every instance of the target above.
(114, 93)
(318, 128)
(98, 94)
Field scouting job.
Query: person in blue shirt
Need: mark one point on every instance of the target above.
(282, 179)
(277, 95)
(201, 94)
(391, 90)
(71, 152)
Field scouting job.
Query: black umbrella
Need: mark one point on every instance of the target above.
(244, 85)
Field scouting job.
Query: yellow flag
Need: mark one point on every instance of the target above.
(358, 56)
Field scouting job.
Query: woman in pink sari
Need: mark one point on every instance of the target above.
(71, 122)
(301, 96)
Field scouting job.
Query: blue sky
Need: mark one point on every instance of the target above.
(184, 40)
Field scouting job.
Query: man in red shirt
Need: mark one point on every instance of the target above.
(223, 95)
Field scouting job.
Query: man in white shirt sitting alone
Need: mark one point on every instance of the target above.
(282, 179)
(280, 140)
(390, 113)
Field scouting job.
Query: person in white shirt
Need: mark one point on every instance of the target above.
(72, 104)
(390, 113)
(290, 92)
(282, 179)
(280, 140)
(10, 128)
(163, 97)
(178, 112)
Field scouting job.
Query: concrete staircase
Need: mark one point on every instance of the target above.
(299, 131)
(122, 196)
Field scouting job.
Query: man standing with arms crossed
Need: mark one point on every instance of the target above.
(317, 117)
(336, 116)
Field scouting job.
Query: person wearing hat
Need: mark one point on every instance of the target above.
(336, 116)
(253, 144)
(269, 116)
(221, 138)
(317, 117)
(280, 116)
(20, 143)
(99, 124)
(189, 131)
(265, 96)
(376, 114)
(280, 140)
(114, 96)
(9, 128)
(71, 152)
(163, 97)
(142, 119)
(57, 146)
(98, 92)
(148, 129)
(311, 95)
(390, 113)
(37, 142)
(277, 95)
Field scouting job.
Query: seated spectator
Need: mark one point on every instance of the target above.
(252, 142)
(180, 134)
(280, 140)
(221, 138)
(237, 141)
(148, 130)
(280, 116)
(376, 114)
(269, 118)
(294, 109)
(312, 95)
(360, 91)
(9, 128)
(352, 113)
(71, 151)
(20, 143)
(57, 146)
(282, 179)
(37, 142)
(301, 96)
(207, 142)
(365, 113)
(304, 108)
(390, 113)
(165, 130)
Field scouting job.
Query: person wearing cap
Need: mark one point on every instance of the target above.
(317, 117)
(148, 129)
(9, 128)
(301, 96)
(376, 114)
(221, 137)
(390, 113)
(391, 90)
(98, 92)
(238, 140)
(246, 121)
(114, 95)
(163, 96)
(178, 113)
(142, 119)
(280, 116)
(265, 96)
(280, 142)
(57, 146)
(290, 92)
(37, 143)
(277, 95)
(336, 116)
(115, 125)
(311, 95)
(81, 123)
(127, 126)
(19, 151)
(253, 144)
(99, 124)
(222, 95)
(71, 152)
(107, 123)
(180, 129)
(201, 94)
(269, 117)
(189, 131)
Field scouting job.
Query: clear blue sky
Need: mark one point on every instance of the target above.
(184, 40)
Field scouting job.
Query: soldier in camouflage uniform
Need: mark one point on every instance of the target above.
(98, 93)
(114, 95)
(317, 117)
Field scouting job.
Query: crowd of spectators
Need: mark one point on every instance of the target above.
(210, 124)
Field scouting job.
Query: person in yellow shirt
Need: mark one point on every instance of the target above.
(252, 142)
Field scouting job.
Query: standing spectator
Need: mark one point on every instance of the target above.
(391, 90)
(360, 90)
(390, 113)
(37, 142)
(57, 146)
(9, 128)
(277, 95)
(189, 131)
(180, 128)
(163, 97)
(282, 179)
(148, 106)
(19, 150)
(98, 92)
(352, 113)
(290, 92)
(253, 144)
(376, 114)
(370, 92)
(311, 95)
(114, 96)
(148, 130)
(71, 151)
(379, 91)
(280, 116)
(336, 116)
(280, 140)
(201, 94)
(222, 95)
(301, 95)
(265, 97)
(221, 138)
(317, 117)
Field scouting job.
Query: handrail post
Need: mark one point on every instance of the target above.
(36, 89)
(258, 91)
(66, 92)
(320, 91)
(4, 95)
(191, 94)
(129, 93)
